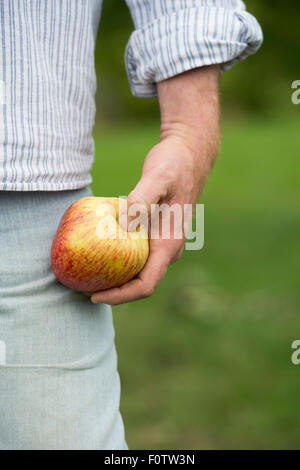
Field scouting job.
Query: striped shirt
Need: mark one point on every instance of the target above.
(48, 82)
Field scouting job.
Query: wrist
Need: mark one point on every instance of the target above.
(201, 138)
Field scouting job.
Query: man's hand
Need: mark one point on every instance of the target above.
(175, 170)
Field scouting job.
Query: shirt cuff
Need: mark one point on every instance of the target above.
(187, 39)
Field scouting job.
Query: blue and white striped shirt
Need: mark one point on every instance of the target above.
(48, 83)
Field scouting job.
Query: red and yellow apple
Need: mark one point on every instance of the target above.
(91, 251)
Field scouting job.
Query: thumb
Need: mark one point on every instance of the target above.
(139, 201)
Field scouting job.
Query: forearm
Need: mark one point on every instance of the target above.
(189, 106)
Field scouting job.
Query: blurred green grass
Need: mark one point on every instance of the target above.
(205, 363)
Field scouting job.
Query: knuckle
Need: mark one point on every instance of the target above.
(177, 256)
(147, 291)
(138, 203)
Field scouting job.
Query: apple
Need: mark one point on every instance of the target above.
(91, 252)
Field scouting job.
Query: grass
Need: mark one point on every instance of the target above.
(205, 363)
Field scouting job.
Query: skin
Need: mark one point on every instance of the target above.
(175, 170)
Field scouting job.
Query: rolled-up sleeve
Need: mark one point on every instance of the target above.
(173, 36)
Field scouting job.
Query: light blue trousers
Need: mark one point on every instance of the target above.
(59, 385)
